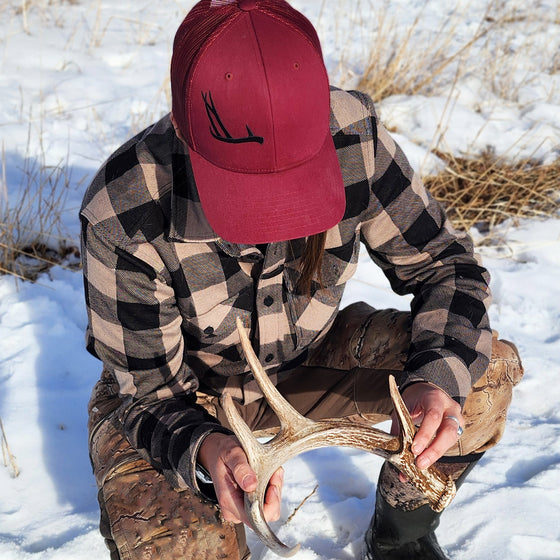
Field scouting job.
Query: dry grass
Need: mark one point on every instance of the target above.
(22, 8)
(484, 190)
(493, 51)
(487, 190)
(397, 66)
(506, 51)
(32, 236)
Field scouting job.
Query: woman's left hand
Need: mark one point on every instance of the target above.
(434, 410)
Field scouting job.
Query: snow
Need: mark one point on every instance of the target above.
(79, 78)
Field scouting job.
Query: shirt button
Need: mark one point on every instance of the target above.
(268, 301)
(269, 358)
(209, 331)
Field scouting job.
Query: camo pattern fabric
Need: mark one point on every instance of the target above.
(143, 517)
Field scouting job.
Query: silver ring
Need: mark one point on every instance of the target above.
(459, 429)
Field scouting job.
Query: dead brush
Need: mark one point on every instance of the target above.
(31, 232)
(396, 66)
(483, 192)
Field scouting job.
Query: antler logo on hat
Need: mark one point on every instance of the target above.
(219, 131)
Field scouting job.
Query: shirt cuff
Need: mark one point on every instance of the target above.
(188, 461)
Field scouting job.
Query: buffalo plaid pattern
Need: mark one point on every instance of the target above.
(163, 291)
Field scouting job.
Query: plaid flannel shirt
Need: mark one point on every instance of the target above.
(163, 291)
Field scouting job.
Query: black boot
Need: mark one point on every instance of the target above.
(401, 534)
(395, 534)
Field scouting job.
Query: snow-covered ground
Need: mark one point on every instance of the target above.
(78, 78)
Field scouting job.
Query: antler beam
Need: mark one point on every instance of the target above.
(298, 434)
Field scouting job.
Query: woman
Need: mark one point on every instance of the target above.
(251, 200)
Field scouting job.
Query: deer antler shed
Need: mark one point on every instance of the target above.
(298, 434)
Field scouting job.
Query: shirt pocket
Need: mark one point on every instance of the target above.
(211, 330)
(312, 314)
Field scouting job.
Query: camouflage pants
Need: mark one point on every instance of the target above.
(142, 517)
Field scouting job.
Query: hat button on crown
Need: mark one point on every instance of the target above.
(247, 5)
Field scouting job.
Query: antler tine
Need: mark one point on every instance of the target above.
(290, 418)
(248, 441)
(426, 480)
(408, 430)
(254, 501)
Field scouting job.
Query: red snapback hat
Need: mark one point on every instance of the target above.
(250, 97)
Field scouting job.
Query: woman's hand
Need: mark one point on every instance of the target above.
(433, 410)
(223, 457)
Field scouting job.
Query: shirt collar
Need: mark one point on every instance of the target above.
(189, 223)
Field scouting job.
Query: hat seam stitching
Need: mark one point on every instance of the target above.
(270, 108)
(296, 30)
(194, 68)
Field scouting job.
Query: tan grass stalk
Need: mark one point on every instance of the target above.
(9, 459)
(24, 10)
(3, 184)
(99, 31)
(35, 252)
(301, 503)
(12, 273)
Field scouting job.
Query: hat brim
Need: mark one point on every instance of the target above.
(254, 208)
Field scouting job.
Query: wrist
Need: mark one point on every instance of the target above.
(208, 449)
(202, 476)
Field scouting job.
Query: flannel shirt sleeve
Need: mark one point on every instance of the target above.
(408, 235)
(135, 330)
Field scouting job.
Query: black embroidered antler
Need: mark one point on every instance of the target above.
(217, 128)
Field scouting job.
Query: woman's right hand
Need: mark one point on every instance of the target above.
(223, 457)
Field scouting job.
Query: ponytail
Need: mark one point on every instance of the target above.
(311, 262)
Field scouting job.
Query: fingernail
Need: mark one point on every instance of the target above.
(422, 463)
(249, 480)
